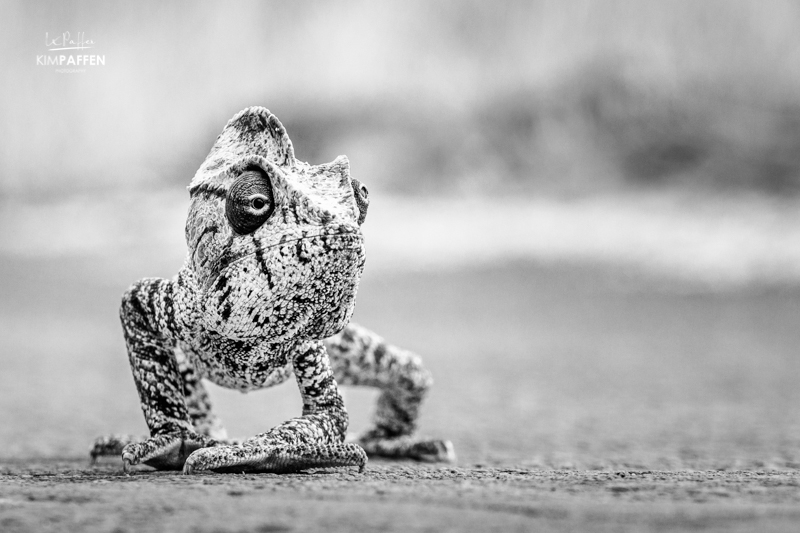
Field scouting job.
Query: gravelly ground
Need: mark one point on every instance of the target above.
(67, 496)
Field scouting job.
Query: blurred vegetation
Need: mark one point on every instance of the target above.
(447, 96)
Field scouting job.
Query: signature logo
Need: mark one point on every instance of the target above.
(75, 44)
(65, 41)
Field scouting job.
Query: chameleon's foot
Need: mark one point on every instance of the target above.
(164, 452)
(111, 445)
(254, 457)
(408, 447)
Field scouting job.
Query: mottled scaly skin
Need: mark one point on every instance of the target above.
(267, 290)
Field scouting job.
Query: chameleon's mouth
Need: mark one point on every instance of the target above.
(329, 244)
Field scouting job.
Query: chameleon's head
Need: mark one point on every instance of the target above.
(275, 244)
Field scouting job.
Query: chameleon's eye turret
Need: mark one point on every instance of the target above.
(362, 199)
(363, 192)
(250, 201)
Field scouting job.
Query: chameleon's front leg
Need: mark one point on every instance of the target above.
(198, 404)
(148, 322)
(314, 440)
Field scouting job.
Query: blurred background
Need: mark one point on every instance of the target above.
(584, 213)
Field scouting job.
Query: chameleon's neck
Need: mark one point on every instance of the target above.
(189, 317)
(190, 321)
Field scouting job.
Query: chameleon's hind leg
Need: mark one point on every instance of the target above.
(198, 405)
(360, 357)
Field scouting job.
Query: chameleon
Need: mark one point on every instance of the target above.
(267, 291)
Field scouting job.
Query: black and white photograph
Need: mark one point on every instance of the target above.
(400, 266)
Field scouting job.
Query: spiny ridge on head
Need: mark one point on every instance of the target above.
(251, 132)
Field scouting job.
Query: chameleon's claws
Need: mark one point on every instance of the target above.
(449, 452)
(128, 460)
(164, 452)
(126, 465)
(188, 468)
(363, 460)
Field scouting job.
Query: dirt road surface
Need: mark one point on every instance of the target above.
(68, 496)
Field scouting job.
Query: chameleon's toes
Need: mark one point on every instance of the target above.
(433, 451)
(406, 447)
(126, 464)
(164, 452)
(255, 457)
(204, 459)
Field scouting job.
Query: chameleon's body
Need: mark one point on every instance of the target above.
(267, 291)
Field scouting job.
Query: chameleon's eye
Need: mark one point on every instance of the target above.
(250, 202)
(362, 199)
